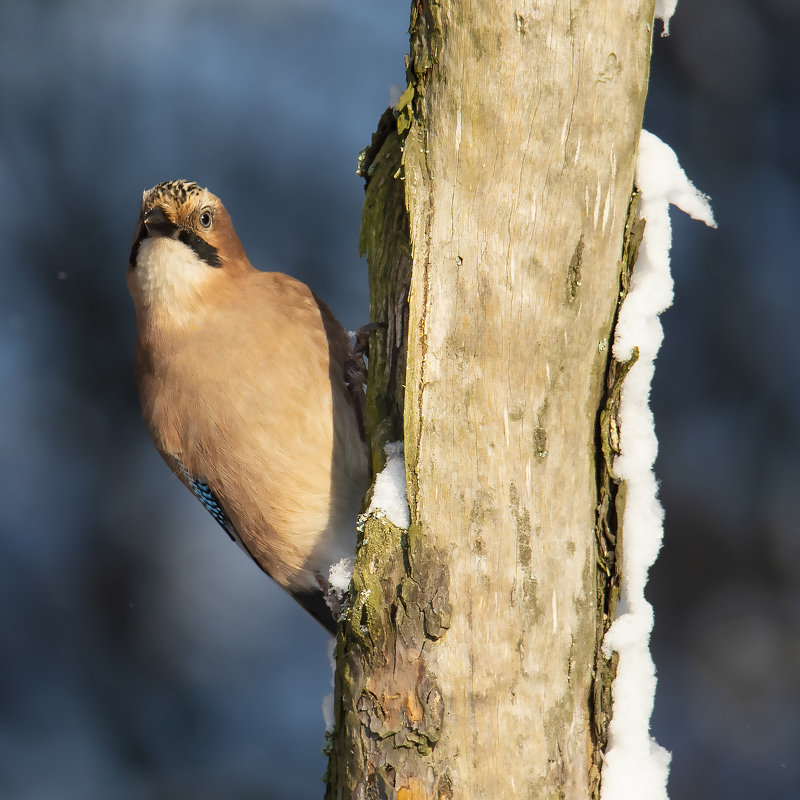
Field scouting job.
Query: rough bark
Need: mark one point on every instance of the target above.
(468, 663)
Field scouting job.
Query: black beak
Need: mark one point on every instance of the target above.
(156, 223)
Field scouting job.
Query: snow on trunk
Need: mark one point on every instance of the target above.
(635, 766)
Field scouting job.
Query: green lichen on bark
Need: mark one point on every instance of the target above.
(611, 496)
(425, 37)
(385, 242)
(388, 709)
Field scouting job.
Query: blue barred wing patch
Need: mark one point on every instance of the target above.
(203, 492)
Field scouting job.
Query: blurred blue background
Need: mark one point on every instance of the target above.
(143, 656)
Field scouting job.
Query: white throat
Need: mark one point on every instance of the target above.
(171, 277)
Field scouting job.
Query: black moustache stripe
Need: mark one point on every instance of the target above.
(205, 251)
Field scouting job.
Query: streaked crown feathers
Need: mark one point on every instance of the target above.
(176, 192)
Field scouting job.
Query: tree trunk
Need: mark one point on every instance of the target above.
(468, 664)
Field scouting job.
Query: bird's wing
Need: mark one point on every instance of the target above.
(312, 600)
(205, 494)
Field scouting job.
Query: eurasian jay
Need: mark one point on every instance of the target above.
(250, 391)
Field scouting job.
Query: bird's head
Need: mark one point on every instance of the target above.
(184, 245)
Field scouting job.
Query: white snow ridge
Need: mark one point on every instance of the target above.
(635, 767)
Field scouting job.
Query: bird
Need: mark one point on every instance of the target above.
(250, 390)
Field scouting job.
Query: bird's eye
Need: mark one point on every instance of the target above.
(205, 219)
